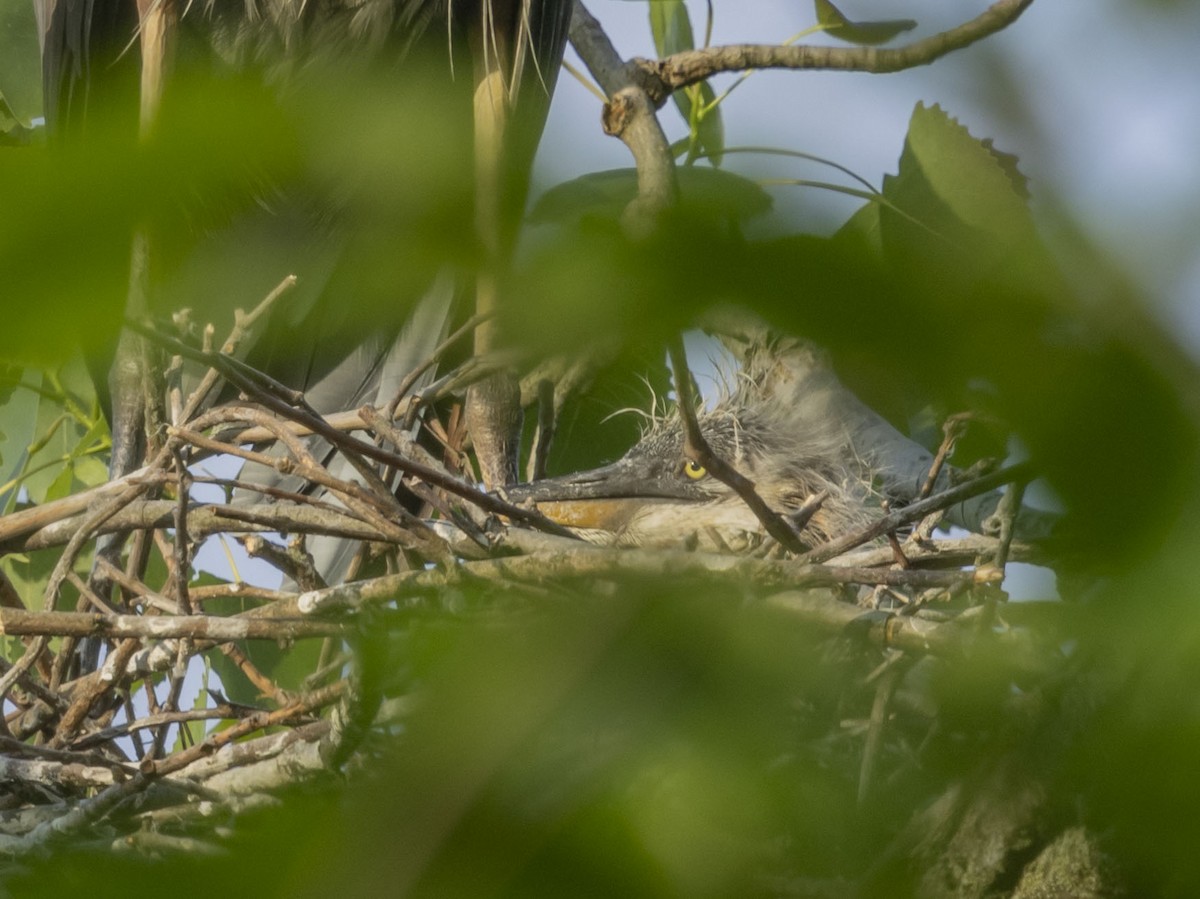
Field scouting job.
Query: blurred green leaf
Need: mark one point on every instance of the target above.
(639, 727)
(661, 737)
(975, 289)
(710, 193)
(62, 484)
(600, 425)
(671, 27)
(20, 65)
(12, 132)
(30, 572)
(227, 158)
(697, 104)
(10, 379)
(869, 33)
(192, 732)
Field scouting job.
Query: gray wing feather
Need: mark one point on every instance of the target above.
(371, 374)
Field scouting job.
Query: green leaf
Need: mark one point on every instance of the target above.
(16, 428)
(710, 129)
(287, 666)
(90, 470)
(10, 378)
(870, 33)
(30, 572)
(865, 225)
(12, 132)
(954, 196)
(64, 481)
(196, 730)
(717, 194)
(597, 426)
(963, 172)
(55, 446)
(672, 30)
(20, 66)
(671, 27)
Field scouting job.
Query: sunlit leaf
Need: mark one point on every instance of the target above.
(967, 175)
(869, 33)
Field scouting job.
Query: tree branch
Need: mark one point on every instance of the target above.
(630, 116)
(17, 623)
(660, 78)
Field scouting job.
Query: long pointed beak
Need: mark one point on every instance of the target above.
(621, 479)
(605, 498)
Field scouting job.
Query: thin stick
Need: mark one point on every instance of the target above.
(1022, 471)
(697, 449)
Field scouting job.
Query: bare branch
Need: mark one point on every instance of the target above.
(1022, 471)
(660, 78)
(15, 623)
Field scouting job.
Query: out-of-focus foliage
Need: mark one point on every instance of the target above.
(54, 439)
(286, 664)
(20, 71)
(653, 738)
(942, 277)
(713, 194)
(662, 741)
(70, 212)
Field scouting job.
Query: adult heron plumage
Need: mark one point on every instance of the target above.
(109, 65)
(93, 51)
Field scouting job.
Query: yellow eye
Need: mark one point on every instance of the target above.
(693, 470)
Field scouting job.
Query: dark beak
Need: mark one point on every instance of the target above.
(604, 498)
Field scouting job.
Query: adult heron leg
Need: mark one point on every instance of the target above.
(517, 47)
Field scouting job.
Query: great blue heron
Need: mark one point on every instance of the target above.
(108, 65)
(113, 59)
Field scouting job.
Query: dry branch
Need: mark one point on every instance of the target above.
(15, 623)
(660, 78)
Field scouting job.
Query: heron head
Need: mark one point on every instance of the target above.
(655, 496)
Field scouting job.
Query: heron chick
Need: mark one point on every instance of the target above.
(654, 496)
